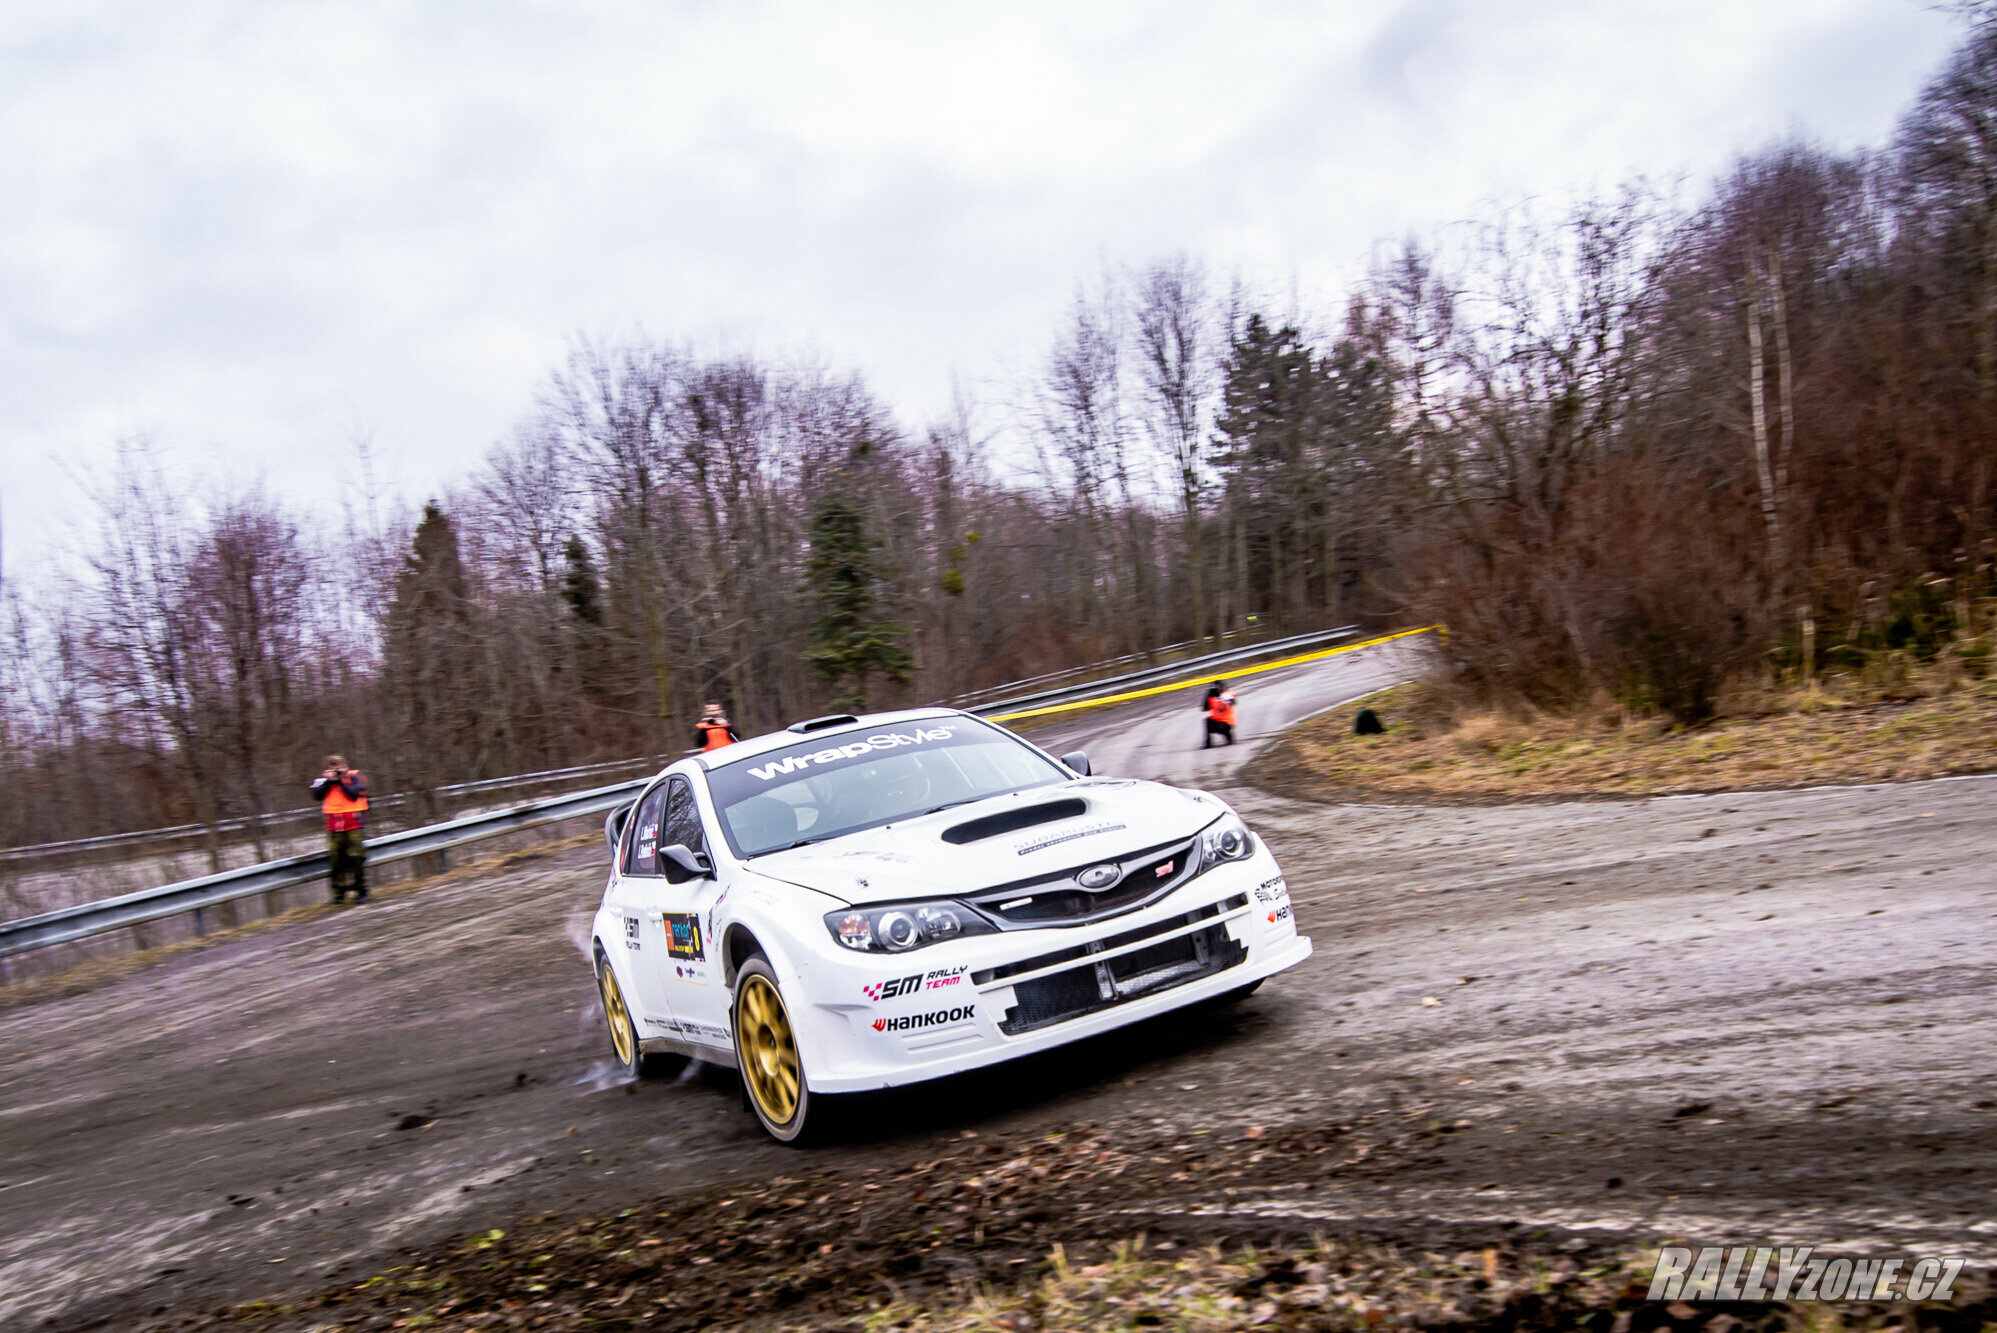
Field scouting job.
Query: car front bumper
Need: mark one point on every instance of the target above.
(884, 1020)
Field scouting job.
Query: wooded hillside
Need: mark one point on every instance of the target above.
(1637, 448)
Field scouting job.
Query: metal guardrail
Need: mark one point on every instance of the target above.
(274, 820)
(86, 919)
(131, 909)
(1195, 666)
(967, 699)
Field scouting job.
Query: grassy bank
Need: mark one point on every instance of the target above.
(1432, 751)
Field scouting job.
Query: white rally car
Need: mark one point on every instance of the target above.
(858, 903)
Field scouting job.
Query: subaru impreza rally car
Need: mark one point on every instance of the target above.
(857, 903)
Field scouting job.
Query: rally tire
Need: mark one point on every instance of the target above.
(619, 1025)
(766, 1052)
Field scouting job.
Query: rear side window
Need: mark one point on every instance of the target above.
(641, 853)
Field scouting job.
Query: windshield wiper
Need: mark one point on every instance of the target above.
(788, 847)
(947, 805)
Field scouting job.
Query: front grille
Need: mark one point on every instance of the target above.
(1058, 956)
(1060, 899)
(1084, 990)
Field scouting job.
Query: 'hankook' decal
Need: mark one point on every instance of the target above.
(909, 1022)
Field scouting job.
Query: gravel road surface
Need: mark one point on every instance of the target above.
(1756, 1017)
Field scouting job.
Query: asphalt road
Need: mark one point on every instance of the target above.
(1160, 738)
(1756, 1017)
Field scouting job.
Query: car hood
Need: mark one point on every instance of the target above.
(982, 845)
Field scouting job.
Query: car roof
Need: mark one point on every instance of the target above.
(752, 746)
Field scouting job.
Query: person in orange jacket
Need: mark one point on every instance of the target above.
(713, 730)
(342, 793)
(1219, 709)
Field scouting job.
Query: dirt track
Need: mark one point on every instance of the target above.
(1760, 1016)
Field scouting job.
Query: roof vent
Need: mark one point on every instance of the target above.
(821, 723)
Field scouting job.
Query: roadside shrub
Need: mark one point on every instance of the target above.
(1974, 654)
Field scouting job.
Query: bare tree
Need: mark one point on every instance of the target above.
(1176, 327)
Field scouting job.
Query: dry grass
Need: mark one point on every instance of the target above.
(1326, 1285)
(1802, 738)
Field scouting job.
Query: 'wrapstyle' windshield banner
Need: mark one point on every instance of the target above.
(857, 749)
(788, 765)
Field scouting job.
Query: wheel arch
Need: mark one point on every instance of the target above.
(738, 944)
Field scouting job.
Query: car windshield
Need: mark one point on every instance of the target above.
(822, 788)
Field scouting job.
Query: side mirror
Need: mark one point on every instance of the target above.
(613, 827)
(1077, 761)
(681, 864)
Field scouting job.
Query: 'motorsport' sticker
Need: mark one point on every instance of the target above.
(911, 1022)
(1272, 890)
(1042, 844)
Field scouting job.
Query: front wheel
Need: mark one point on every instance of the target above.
(766, 1053)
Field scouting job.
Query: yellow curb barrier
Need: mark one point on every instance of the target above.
(1222, 674)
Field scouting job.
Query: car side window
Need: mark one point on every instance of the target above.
(641, 854)
(682, 819)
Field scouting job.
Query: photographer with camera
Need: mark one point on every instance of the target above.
(343, 798)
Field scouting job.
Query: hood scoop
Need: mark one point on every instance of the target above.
(1010, 821)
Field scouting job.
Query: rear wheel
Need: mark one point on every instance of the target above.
(766, 1052)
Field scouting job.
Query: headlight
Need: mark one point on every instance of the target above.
(1226, 839)
(905, 926)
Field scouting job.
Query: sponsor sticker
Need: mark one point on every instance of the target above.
(885, 740)
(1797, 1272)
(683, 939)
(1042, 844)
(631, 933)
(935, 1019)
(1279, 914)
(1272, 890)
(695, 975)
(909, 985)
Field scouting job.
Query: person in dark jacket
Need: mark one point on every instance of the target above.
(1219, 709)
(342, 793)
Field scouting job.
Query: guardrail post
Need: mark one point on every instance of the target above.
(273, 902)
(200, 922)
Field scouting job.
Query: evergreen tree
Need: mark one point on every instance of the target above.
(1264, 450)
(433, 663)
(851, 640)
(581, 588)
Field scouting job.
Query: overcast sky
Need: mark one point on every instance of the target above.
(257, 229)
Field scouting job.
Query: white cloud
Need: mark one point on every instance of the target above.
(250, 226)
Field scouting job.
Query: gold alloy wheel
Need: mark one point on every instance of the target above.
(769, 1049)
(622, 1039)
